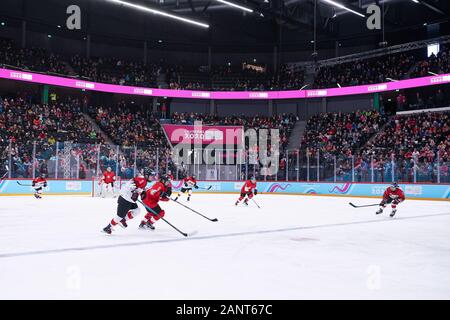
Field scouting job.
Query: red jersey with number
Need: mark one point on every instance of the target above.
(249, 186)
(189, 182)
(153, 195)
(109, 177)
(397, 194)
(39, 181)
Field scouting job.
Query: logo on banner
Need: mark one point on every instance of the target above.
(413, 190)
(378, 190)
(316, 93)
(379, 87)
(441, 79)
(259, 95)
(274, 187)
(85, 85)
(344, 189)
(73, 186)
(143, 91)
(20, 75)
(200, 94)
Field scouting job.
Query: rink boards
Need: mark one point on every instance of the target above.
(84, 187)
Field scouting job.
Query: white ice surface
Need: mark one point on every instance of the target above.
(294, 247)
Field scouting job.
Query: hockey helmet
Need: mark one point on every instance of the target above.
(394, 185)
(164, 179)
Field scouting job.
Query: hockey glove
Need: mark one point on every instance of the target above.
(255, 192)
(134, 196)
(143, 195)
(196, 186)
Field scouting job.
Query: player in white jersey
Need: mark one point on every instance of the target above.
(127, 207)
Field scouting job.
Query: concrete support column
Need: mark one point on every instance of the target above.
(24, 34)
(275, 59)
(212, 107)
(145, 52)
(324, 105)
(155, 105)
(88, 46)
(209, 58)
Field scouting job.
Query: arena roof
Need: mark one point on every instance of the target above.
(288, 24)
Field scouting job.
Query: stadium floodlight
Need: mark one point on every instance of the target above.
(162, 13)
(336, 4)
(415, 1)
(304, 86)
(432, 73)
(231, 4)
(390, 79)
(339, 85)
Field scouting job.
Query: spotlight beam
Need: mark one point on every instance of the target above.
(341, 6)
(158, 12)
(234, 5)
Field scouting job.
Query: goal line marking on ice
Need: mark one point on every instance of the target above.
(226, 235)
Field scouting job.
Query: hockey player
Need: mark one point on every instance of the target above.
(248, 190)
(188, 183)
(160, 191)
(393, 195)
(38, 184)
(108, 179)
(127, 207)
(170, 175)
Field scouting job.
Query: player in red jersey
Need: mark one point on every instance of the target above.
(38, 184)
(160, 191)
(127, 207)
(248, 190)
(188, 183)
(108, 179)
(170, 175)
(393, 195)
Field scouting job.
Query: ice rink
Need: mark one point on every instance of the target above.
(294, 247)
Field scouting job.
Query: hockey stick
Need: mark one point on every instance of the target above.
(24, 185)
(155, 214)
(209, 188)
(256, 203)
(213, 220)
(4, 175)
(367, 205)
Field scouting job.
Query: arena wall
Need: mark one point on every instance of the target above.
(412, 191)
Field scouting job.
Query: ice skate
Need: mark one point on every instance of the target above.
(146, 226)
(123, 223)
(107, 229)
